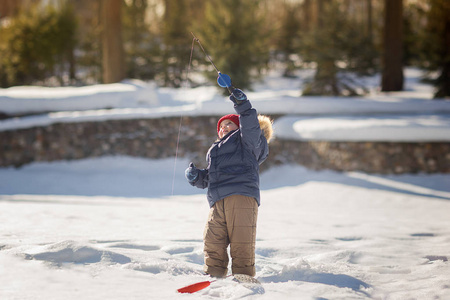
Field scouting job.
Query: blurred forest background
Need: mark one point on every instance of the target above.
(81, 42)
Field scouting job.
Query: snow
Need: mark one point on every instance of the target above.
(422, 128)
(112, 228)
(406, 116)
(120, 227)
(35, 99)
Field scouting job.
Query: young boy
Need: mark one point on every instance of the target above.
(232, 179)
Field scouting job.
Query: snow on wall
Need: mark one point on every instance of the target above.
(383, 132)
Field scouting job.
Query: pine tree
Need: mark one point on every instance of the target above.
(233, 33)
(141, 49)
(175, 36)
(338, 46)
(89, 46)
(66, 44)
(37, 44)
(287, 38)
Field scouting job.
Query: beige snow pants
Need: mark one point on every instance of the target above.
(231, 221)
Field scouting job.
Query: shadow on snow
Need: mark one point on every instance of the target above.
(339, 280)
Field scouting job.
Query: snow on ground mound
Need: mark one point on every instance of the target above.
(300, 270)
(377, 128)
(74, 252)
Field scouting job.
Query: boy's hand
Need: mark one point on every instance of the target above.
(191, 173)
(238, 96)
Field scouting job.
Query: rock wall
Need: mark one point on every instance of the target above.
(158, 138)
(370, 157)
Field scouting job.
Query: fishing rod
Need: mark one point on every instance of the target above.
(223, 80)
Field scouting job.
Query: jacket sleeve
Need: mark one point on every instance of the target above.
(251, 133)
(202, 180)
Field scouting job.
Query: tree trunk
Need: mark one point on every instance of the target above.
(9, 8)
(392, 74)
(370, 21)
(113, 63)
(443, 81)
(310, 15)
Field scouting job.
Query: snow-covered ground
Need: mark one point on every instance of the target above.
(131, 228)
(112, 228)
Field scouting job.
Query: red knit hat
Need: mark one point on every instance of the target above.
(232, 118)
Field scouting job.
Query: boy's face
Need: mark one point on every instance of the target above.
(225, 127)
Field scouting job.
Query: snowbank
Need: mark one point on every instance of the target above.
(400, 116)
(33, 99)
(378, 128)
(332, 119)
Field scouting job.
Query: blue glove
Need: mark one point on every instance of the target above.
(191, 173)
(238, 97)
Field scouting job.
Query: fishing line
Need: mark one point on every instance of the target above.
(181, 118)
(223, 80)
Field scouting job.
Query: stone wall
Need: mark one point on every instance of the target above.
(158, 138)
(370, 157)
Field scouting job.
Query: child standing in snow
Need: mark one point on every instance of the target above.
(232, 179)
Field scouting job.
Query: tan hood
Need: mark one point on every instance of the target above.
(266, 126)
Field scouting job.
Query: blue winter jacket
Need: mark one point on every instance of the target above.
(233, 161)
